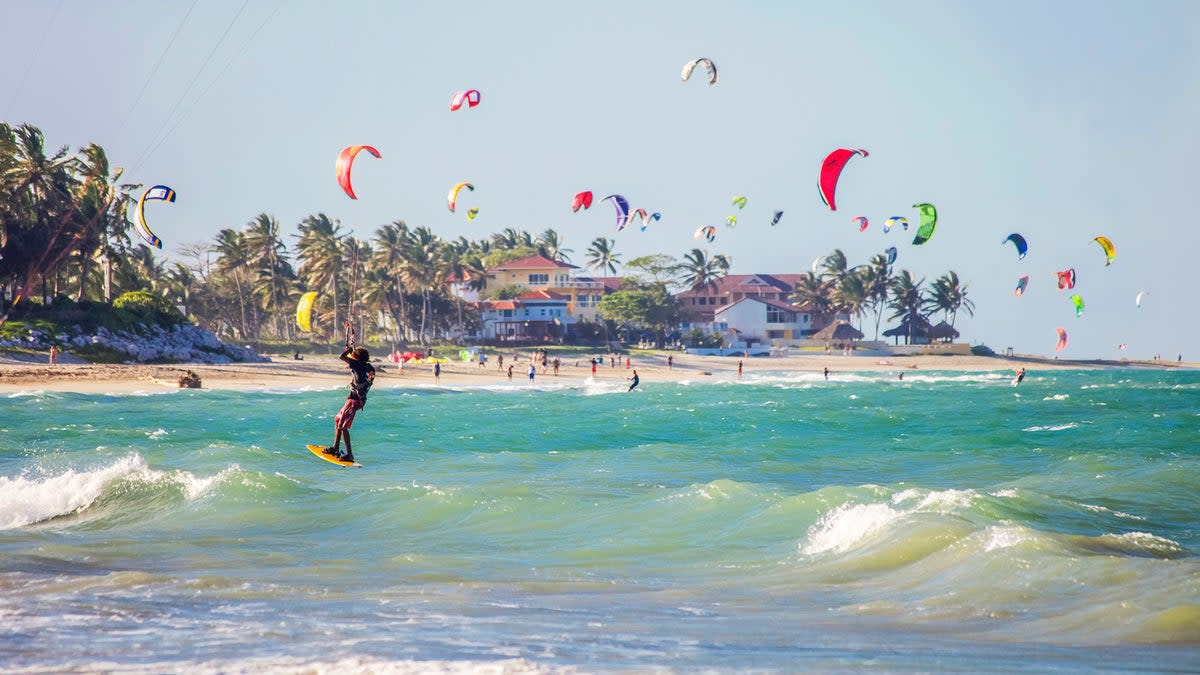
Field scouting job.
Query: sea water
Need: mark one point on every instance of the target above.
(944, 522)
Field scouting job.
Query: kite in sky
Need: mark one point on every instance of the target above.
(452, 197)
(304, 311)
(831, 171)
(157, 192)
(928, 223)
(1110, 252)
(691, 65)
(1019, 242)
(583, 200)
(469, 97)
(345, 161)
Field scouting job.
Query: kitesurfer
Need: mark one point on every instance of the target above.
(635, 380)
(1020, 376)
(362, 377)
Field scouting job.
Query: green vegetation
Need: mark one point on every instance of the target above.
(64, 234)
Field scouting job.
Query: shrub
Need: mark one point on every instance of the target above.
(148, 308)
(982, 350)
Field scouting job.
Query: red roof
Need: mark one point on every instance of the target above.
(544, 295)
(535, 262)
(742, 283)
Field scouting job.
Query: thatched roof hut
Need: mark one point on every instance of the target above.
(914, 330)
(943, 331)
(838, 330)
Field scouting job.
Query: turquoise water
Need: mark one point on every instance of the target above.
(948, 522)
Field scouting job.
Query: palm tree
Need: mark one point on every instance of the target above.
(388, 257)
(233, 258)
(550, 245)
(273, 273)
(699, 270)
(908, 300)
(321, 250)
(851, 295)
(876, 276)
(835, 267)
(602, 257)
(949, 296)
(814, 294)
(424, 270)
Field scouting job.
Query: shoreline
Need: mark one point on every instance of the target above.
(323, 372)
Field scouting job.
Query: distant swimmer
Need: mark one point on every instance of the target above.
(635, 380)
(1020, 376)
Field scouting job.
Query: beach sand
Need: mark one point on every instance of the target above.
(321, 372)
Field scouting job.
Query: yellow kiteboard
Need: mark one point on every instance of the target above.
(319, 451)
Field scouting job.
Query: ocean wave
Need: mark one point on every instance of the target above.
(271, 665)
(26, 500)
(1056, 397)
(1055, 427)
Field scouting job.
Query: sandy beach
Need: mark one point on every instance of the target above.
(326, 371)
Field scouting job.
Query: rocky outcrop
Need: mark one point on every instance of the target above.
(182, 343)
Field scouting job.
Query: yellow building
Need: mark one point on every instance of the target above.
(539, 273)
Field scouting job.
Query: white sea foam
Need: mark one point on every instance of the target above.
(1005, 536)
(1057, 427)
(848, 525)
(272, 665)
(1057, 397)
(25, 500)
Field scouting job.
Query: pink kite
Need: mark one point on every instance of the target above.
(470, 97)
(1066, 278)
(345, 160)
(831, 169)
(582, 200)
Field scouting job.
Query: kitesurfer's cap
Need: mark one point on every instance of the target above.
(360, 354)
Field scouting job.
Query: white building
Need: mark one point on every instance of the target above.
(535, 316)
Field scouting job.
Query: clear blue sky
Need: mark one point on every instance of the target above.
(1058, 120)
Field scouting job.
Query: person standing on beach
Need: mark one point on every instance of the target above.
(500, 362)
(826, 372)
(53, 354)
(593, 366)
(437, 372)
(362, 377)
(739, 369)
(532, 372)
(635, 379)
(670, 360)
(510, 372)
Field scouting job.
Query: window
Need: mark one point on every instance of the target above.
(539, 279)
(506, 313)
(776, 315)
(596, 300)
(776, 334)
(702, 301)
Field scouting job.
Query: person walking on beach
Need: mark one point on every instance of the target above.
(636, 381)
(510, 372)
(739, 369)
(500, 362)
(362, 377)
